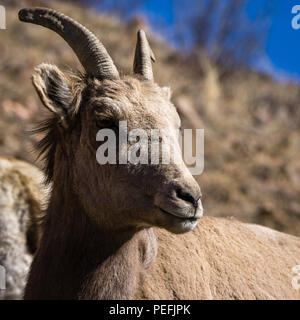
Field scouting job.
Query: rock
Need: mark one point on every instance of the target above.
(22, 195)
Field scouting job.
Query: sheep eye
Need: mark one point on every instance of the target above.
(104, 122)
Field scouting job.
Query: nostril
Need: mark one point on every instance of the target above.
(186, 196)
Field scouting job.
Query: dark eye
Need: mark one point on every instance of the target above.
(104, 122)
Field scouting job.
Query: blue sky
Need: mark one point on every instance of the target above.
(282, 47)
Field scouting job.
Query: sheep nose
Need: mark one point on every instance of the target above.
(188, 197)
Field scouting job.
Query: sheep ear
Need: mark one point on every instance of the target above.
(54, 90)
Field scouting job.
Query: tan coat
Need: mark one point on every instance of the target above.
(224, 259)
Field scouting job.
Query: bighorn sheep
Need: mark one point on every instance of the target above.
(100, 238)
(22, 193)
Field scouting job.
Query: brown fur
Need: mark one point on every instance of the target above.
(99, 241)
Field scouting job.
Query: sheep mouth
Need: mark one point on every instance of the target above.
(177, 215)
(176, 222)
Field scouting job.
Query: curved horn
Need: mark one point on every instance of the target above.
(143, 55)
(89, 50)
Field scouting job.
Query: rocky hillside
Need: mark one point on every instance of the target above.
(251, 122)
